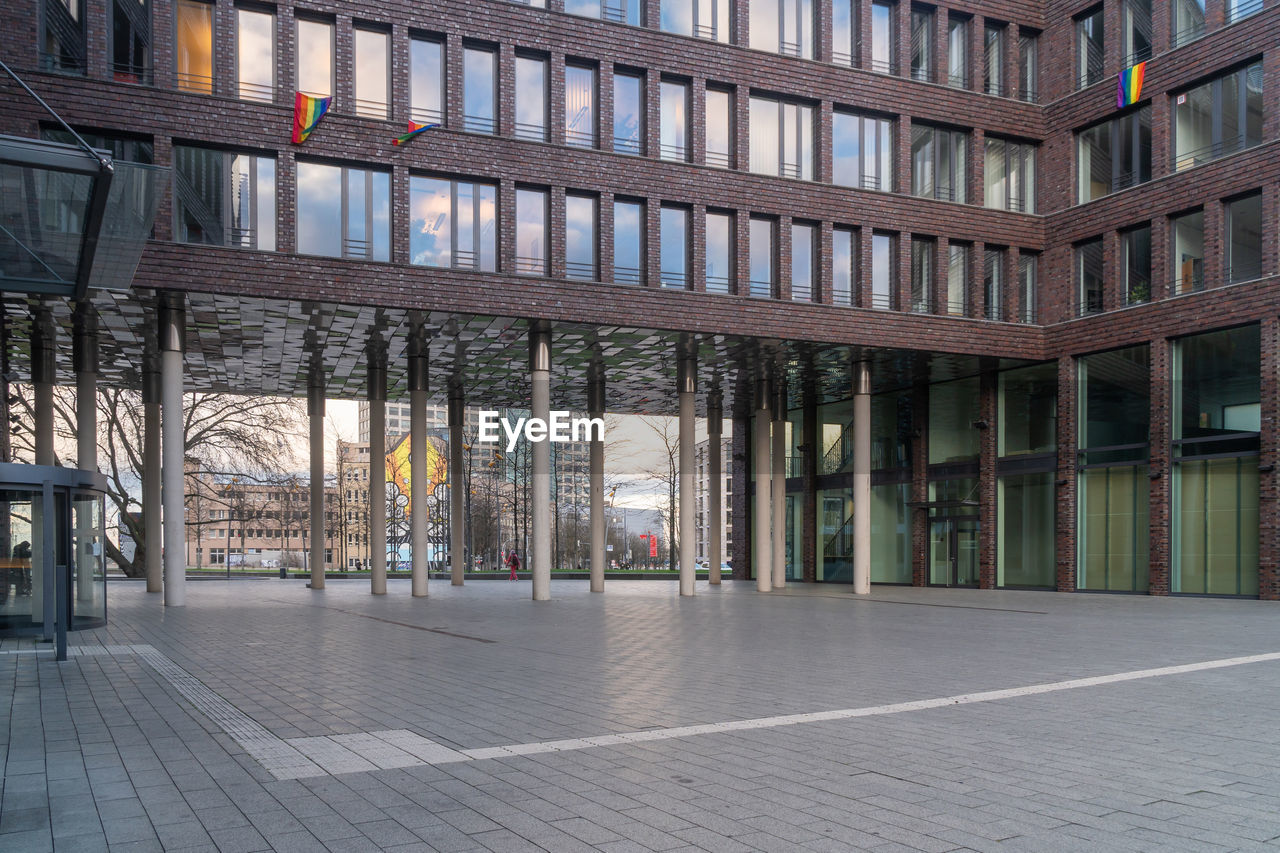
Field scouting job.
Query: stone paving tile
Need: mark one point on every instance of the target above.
(103, 749)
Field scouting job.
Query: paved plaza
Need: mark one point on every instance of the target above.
(265, 716)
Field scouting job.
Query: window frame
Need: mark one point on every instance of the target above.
(363, 107)
(229, 239)
(256, 91)
(299, 21)
(345, 210)
(574, 269)
(476, 225)
(486, 125)
(422, 114)
(771, 223)
(590, 137)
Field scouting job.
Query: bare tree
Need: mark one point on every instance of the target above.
(667, 475)
(225, 432)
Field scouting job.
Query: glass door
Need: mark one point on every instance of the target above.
(953, 551)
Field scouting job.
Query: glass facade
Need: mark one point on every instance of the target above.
(782, 26)
(1010, 175)
(1218, 118)
(957, 279)
(953, 411)
(531, 232)
(883, 267)
(1028, 402)
(1244, 238)
(1188, 251)
(223, 198)
(1135, 264)
(844, 245)
(883, 49)
(1090, 54)
(344, 212)
(1089, 278)
(958, 52)
(673, 238)
(804, 270)
(1114, 155)
(922, 252)
(1025, 521)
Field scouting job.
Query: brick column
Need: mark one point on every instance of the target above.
(286, 60)
(976, 271)
(975, 188)
(862, 268)
(862, 49)
(1161, 137)
(162, 151)
(453, 87)
(652, 114)
(902, 37)
(1161, 488)
(902, 154)
(1113, 295)
(605, 235)
(506, 111)
(604, 98)
(554, 237)
(1161, 35)
(741, 36)
(902, 267)
(287, 198)
(652, 275)
(1268, 500)
(739, 504)
(1065, 521)
(783, 288)
(823, 267)
(555, 94)
(1214, 219)
(1161, 258)
(97, 37)
(941, 20)
(401, 71)
(697, 120)
(742, 128)
(1010, 293)
(977, 53)
(941, 273)
(1012, 62)
(987, 479)
(400, 213)
(742, 258)
(822, 166)
(507, 226)
(697, 248)
(344, 78)
(822, 32)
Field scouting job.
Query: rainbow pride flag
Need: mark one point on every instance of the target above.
(307, 112)
(414, 130)
(1131, 85)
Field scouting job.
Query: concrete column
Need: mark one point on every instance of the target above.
(457, 487)
(686, 388)
(778, 490)
(418, 462)
(595, 409)
(172, 343)
(760, 518)
(715, 496)
(153, 542)
(540, 377)
(378, 475)
(862, 478)
(315, 415)
(85, 356)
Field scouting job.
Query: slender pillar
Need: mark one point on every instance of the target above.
(418, 462)
(315, 413)
(595, 462)
(172, 343)
(778, 490)
(540, 377)
(153, 540)
(457, 487)
(686, 388)
(862, 478)
(378, 474)
(85, 356)
(715, 494)
(43, 377)
(760, 518)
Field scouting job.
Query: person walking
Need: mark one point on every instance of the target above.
(513, 562)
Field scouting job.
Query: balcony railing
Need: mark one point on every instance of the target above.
(250, 91)
(627, 275)
(1199, 156)
(531, 132)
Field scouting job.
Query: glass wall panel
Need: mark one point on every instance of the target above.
(1244, 238)
(939, 166)
(993, 284)
(580, 220)
(763, 237)
(1135, 264)
(957, 279)
(1188, 252)
(1188, 21)
(1025, 550)
(1114, 155)
(628, 114)
(452, 224)
(531, 232)
(803, 271)
(319, 218)
(844, 31)
(1114, 538)
(479, 91)
(1215, 538)
(890, 433)
(953, 409)
(1028, 285)
(719, 256)
(1135, 27)
(373, 81)
(834, 558)
(1217, 391)
(426, 83)
(674, 246)
(843, 251)
(1116, 404)
(993, 59)
(194, 50)
(882, 41)
(882, 271)
(255, 55)
(1219, 117)
(781, 139)
(1090, 55)
(719, 127)
(862, 151)
(621, 11)
(1089, 279)
(921, 44)
(782, 26)
(580, 106)
(531, 98)
(628, 242)
(1028, 406)
(315, 58)
(891, 533)
(922, 252)
(958, 52)
(673, 120)
(1028, 66)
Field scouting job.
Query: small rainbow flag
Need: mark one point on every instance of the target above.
(307, 112)
(414, 130)
(1131, 85)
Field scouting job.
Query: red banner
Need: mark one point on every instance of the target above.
(653, 545)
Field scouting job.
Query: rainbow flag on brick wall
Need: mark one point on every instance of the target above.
(414, 130)
(307, 112)
(1131, 85)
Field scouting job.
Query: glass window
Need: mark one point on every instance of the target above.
(953, 409)
(939, 166)
(580, 218)
(862, 151)
(1239, 9)
(922, 44)
(781, 139)
(452, 224)
(763, 252)
(255, 55)
(315, 58)
(673, 237)
(621, 11)
(628, 242)
(628, 114)
(1089, 49)
(372, 73)
(1218, 118)
(1114, 155)
(479, 90)
(1028, 66)
(62, 41)
(993, 284)
(958, 279)
(131, 41)
(1188, 252)
(719, 258)
(883, 271)
(844, 31)
(1028, 401)
(883, 48)
(194, 50)
(844, 248)
(224, 199)
(580, 106)
(1244, 238)
(783, 26)
(531, 232)
(531, 98)
(1010, 175)
(1028, 286)
(1089, 278)
(993, 59)
(1115, 405)
(922, 275)
(706, 19)
(1026, 551)
(803, 249)
(673, 121)
(1188, 21)
(343, 212)
(958, 52)
(719, 130)
(426, 84)
(1135, 261)
(1135, 27)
